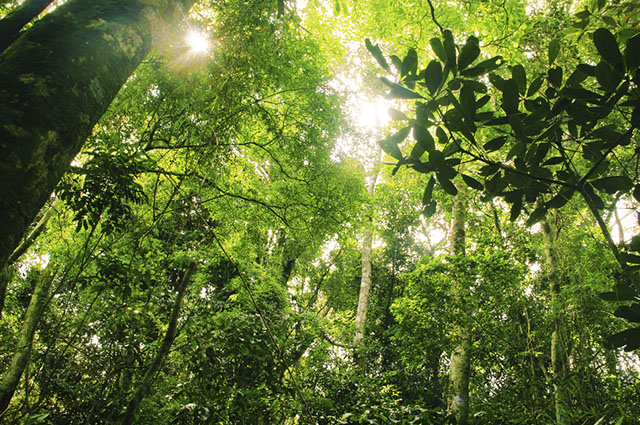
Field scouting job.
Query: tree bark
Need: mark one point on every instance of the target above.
(56, 81)
(558, 348)
(460, 364)
(12, 375)
(144, 387)
(365, 281)
(14, 22)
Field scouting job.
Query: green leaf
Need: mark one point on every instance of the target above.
(554, 49)
(520, 77)
(469, 52)
(630, 313)
(629, 338)
(397, 115)
(510, 98)
(495, 144)
(621, 292)
(607, 77)
(535, 86)
(390, 144)
(410, 63)
(429, 210)
(537, 215)
(563, 196)
(607, 46)
(483, 67)
(428, 191)
(438, 49)
(424, 138)
(446, 185)
(555, 76)
(399, 92)
(450, 48)
(377, 54)
(433, 76)
(472, 183)
(632, 53)
(613, 184)
(468, 102)
(516, 209)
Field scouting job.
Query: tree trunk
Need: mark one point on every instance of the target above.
(558, 348)
(5, 272)
(365, 282)
(461, 355)
(144, 387)
(12, 24)
(56, 81)
(12, 375)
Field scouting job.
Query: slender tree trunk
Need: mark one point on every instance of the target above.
(5, 272)
(558, 348)
(460, 364)
(365, 282)
(56, 81)
(12, 24)
(12, 375)
(144, 387)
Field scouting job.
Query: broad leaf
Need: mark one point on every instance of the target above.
(377, 54)
(607, 46)
(433, 76)
(613, 184)
(400, 92)
(469, 52)
(554, 49)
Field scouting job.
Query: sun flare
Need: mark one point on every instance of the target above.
(197, 41)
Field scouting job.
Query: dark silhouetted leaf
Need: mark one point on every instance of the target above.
(377, 54)
(555, 76)
(469, 52)
(520, 77)
(613, 184)
(438, 49)
(510, 98)
(535, 86)
(428, 191)
(629, 339)
(536, 215)
(400, 92)
(433, 76)
(632, 53)
(424, 138)
(495, 144)
(607, 46)
(429, 210)
(472, 183)
(554, 49)
(410, 63)
(446, 185)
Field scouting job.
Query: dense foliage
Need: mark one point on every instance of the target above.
(203, 257)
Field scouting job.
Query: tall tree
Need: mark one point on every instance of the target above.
(461, 356)
(56, 81)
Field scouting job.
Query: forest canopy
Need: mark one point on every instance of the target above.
(319, 212)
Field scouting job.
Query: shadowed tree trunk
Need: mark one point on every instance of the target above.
(56, 81)
(12, 24)
(558, 348)
(12, 375)
(461, 355)
(144, 387)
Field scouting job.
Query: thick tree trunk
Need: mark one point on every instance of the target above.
(144, 387)
(12, 375)
(365, 281)
(56, 81)
(558, 349)
(12, 24)
(461, 356)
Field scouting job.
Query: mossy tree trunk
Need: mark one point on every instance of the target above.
(460, 364)
(12, 24)
(11, 377)
(56, 81)
(559, 335)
